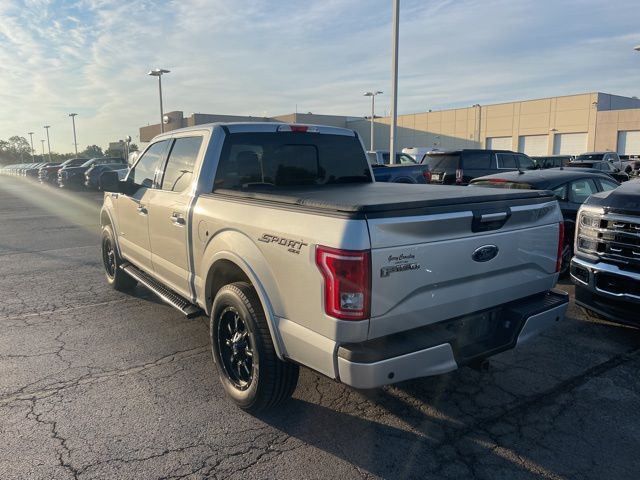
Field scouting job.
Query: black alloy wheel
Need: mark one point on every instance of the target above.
(236, 350)
(109, 257)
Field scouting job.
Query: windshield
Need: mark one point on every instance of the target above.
(74, 162)
(441, 162)
(590, 156)
(290, 159)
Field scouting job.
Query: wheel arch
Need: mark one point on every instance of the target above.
(107, 219)
(231, 257)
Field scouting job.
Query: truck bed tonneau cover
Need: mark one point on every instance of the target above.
(383, 197)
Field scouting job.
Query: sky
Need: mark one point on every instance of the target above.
(270, 57)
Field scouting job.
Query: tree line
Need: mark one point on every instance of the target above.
(17, 149)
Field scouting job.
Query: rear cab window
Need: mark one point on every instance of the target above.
(290, 159)
(442, 162)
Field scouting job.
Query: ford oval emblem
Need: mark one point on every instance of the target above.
(485, 253)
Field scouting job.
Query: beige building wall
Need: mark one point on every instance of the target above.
(471, 127)
(313, 119)
(614, 121)
(599, 116)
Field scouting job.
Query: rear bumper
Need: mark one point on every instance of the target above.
(607, 290)
(443, 347)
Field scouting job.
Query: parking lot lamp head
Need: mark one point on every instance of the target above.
(373, 114)
(158, 72)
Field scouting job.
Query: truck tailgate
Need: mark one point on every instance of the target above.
(433, 267)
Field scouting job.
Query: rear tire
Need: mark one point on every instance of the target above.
(250, 371)
(111, 261)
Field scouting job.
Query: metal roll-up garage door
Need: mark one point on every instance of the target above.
(533, 145)
(569, 143)
(499, 143)
(629, 142)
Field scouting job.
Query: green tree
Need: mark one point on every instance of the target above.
(15, 150)
(92, 151)
(19, 145)
(133, 147)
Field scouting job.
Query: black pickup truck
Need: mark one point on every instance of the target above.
(606, 265)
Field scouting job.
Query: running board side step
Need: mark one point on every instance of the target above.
(169, 296)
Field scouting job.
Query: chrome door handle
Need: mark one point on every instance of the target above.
(177, 219)
(142, 210)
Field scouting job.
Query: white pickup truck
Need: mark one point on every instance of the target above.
(279, 234)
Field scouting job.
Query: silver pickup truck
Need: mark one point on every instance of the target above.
(279, 234)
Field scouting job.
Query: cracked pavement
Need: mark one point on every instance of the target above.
(100, 384)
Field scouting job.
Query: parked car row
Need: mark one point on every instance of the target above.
(75, 173)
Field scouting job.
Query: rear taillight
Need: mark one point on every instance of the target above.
(427, 176)
(560, 246)
(347, 282)
(459, 176)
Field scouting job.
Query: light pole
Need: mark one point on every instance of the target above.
(46, 127)
(32, 150)
(127, 140)
(158, 72)
(373, 111)
(394, 81)
(73, 121)
(42, 149)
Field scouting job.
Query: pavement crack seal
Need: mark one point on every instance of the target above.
(61, 310)
(103, 376)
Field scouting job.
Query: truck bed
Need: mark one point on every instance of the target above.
(381, 198)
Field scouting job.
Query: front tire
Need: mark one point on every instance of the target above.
(249, 368)
(111, 261)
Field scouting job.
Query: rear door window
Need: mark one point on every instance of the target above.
(476, 161)
(608, 185)
(580, 190)
(506, 160)
(179, 170)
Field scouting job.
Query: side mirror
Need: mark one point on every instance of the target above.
(110, 182)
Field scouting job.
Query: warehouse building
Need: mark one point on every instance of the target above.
(569, 124)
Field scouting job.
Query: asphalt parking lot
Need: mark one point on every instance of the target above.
(100, 384)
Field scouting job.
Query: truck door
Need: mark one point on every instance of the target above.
(168, 214)
(133, 234)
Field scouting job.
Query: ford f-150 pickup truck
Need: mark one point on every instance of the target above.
(279, 234)
(606, 265)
